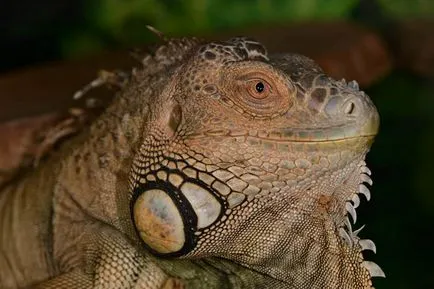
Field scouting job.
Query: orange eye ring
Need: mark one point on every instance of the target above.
(258, 88)
(258, 91)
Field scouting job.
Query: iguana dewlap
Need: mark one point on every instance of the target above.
(215, 166)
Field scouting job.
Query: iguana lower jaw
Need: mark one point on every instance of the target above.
(271, 206)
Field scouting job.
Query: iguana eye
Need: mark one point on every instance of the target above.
(258, 88)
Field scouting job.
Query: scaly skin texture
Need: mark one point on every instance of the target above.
(215, 166)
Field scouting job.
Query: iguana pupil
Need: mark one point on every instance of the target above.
(260, 87)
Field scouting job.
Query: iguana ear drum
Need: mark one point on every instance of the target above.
(169, 218)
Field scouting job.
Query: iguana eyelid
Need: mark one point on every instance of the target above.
(255, 75)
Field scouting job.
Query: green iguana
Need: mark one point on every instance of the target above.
(216, 165)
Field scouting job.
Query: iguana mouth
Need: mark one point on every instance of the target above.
(288, 135)
(282, 144)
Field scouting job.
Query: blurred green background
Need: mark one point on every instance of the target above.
(36, 31)
(401, 216)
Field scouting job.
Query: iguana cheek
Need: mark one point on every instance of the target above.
(169, 216)
(159, 222)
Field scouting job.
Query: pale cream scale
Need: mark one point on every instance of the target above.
(159, 219)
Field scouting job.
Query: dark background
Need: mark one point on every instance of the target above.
(401, 215)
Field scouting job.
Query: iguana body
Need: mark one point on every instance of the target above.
(215, 166)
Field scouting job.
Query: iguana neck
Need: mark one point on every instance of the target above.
(97, 170)
(92, 181)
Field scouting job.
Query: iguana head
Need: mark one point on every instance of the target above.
(258, 159)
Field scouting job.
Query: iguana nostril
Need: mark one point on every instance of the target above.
(338, 106)
(350, 108)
